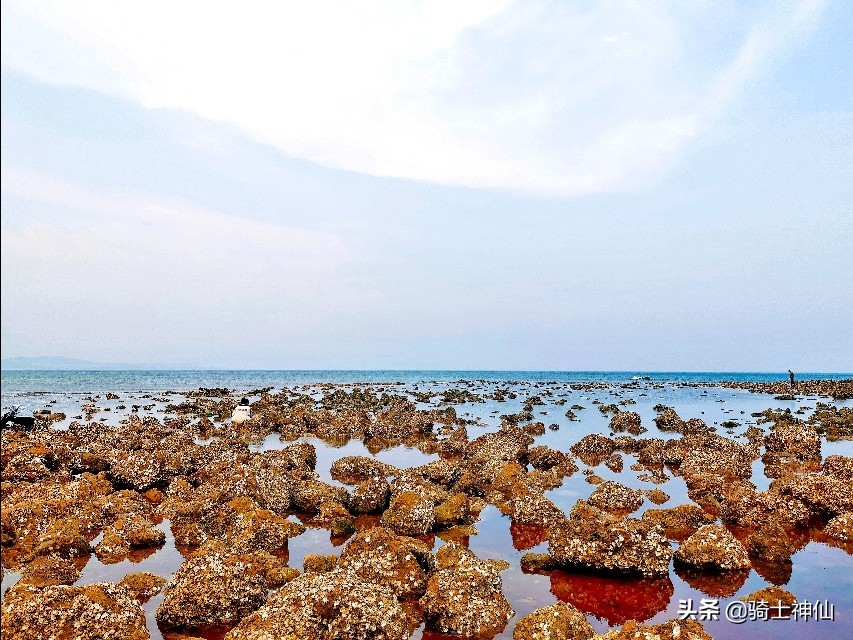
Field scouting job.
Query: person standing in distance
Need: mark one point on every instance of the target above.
(242, 412)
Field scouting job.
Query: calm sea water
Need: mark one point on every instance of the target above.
(820, 571)
(17, 382)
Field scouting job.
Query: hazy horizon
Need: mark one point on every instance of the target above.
(116, 367)
(529, 186)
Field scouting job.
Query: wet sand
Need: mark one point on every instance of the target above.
(518, 495)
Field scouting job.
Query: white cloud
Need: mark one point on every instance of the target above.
(144, 252)
(522, 96)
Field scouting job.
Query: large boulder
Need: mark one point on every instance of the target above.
(101, 610)
(594, 540)
(217, 587)
(380, 556)
(334, 605)
(464, 594)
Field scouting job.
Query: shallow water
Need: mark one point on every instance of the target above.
(820, 572)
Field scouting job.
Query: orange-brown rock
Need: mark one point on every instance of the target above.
(678, 522)
(380, 556)
(326, 605)
(143, 585)
(616, 498)
(370, 496)
(454, 510)
(355, 469)
(713, 548)
(409, 514)
(334, 517)
(463, 596)
(838, 467)
(215, 587)
(559, 621)
(630, 545)
(593, 449)
(98, 610)
(672, 630)
(314, 563)
(543, 457)
(627, 421)
(824, 495)
(46, 571)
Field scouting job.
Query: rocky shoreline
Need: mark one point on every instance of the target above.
(113, 490)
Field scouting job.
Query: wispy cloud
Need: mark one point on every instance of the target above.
(526, 96)
(138, 267)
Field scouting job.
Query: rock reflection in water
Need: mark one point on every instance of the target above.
(614, 599)
(720, 584)
(527, 536)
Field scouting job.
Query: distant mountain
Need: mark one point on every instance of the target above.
(57, 363)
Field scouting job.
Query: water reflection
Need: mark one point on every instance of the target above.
(527, 536)
(614, 599)
(609, 599)
(715, 584)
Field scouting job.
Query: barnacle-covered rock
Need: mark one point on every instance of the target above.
(455, 510)
(138, 469)
(315, 563)
(46, 571)
(593, 449)
(656, 495)
(215, 587)
(795, 438)
(380, 556)
(101, 610)
(679, 522)
(409, 514)
(839, 532)
(838, 467)
(601, 542)
(370, 496)
(669, 420)
(334, 517)
(713, 548)
(463, 596)
(672, 630)
(543, 457)
(616, 498)
(824, 495)
(627, 421)
(354, 469)
(240, 522)
(560, 621)
(143, 585)
(310, 494)
(334, 605)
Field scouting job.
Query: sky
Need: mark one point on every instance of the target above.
(652, 186)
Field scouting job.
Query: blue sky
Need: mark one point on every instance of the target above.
(641, 186)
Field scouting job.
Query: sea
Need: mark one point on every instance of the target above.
(821, 573)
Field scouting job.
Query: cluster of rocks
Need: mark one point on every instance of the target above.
(837, 389)
(98, 610)
(365, 594)
(562, 621)
(231, 513)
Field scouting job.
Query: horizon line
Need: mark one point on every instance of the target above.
(412, 370)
